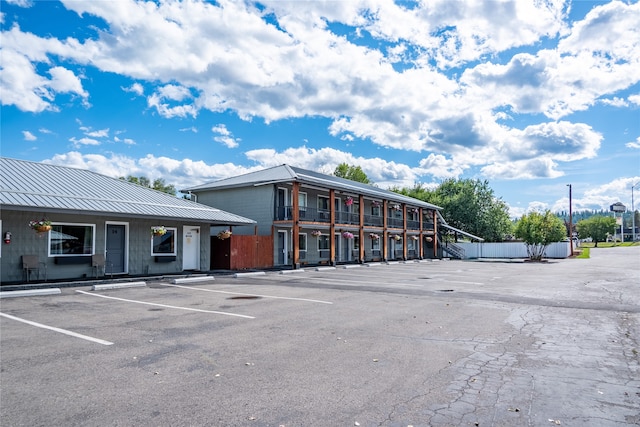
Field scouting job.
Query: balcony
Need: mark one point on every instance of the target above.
(413, 225)
(373, 220)
(284, 213)
(395, 223)
(347, 218)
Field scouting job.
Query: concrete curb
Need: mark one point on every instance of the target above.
(301, 270)
(192, 279)
(325, 268)
(30, 293)
(118, 286)
(253, 273)
(351, 266)
(374, 264)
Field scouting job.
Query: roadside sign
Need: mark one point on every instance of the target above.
(618, 207)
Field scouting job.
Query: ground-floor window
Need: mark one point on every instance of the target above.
(302, 245)
(323, 245)
(164, 244)
(71, 239)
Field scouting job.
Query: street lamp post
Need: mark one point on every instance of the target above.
(633, 212)
(570, 221)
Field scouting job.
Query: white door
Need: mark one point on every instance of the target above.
(190, 247)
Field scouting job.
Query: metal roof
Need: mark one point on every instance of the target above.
(286, 173)
(45, 187)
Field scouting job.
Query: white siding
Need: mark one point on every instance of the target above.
(511, 250)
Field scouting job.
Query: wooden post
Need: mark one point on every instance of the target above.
(435, 233)
(332, 226)
(295, 229)
(420, 235)
(361, 219)
(404, 231)
(384, 229)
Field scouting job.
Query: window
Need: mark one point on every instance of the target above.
(71, 239)
(323, 245)
(375, 210)
(323, 242)
(164, 244)
(302, 242)
(375, 244)
(302, 200)
(356, 243)
(323, 203)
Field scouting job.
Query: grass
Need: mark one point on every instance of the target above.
(584, 253)
(608, 244)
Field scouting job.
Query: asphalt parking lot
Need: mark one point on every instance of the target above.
(443, 343)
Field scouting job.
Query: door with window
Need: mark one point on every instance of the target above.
(282, 249)
(116, 249)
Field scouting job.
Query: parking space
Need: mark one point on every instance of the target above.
(417, 343)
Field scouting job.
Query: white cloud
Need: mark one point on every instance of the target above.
(21, 3)
(83, 141)
(634, 99)
(224, 136)
(28, 136)
(134, 88)
(634, 144)
(102, 133)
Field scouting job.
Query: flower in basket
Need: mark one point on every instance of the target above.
(347, 235)
(374, 236)
(414, 237)
(397, 237)
(428, 239)
(375, 203)
(316, 233)
(224, 234)
(415, 210)
(40, 226)
(158, 230)
(348, 201)
(395, 207)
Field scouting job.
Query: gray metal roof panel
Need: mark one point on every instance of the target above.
(38, 185)
(286, 173)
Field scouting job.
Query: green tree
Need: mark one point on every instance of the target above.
(597, 227)
(538, 231)
(158, 184)
(354, 173)
(469, 205)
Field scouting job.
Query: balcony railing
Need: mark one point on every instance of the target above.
(413, 225)
(305, 214)
(395, 222)
(347, 218)
(373, 220)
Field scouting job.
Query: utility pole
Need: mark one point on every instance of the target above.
(633, 212)
(570, 221)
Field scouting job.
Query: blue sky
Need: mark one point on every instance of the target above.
(529, 95)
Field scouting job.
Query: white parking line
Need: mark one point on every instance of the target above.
(167, 306)
(62, 331)
(249, 295)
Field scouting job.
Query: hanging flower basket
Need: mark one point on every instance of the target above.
(347, 235)
(414, 210)
(374, 236)
(397, 237)
(224, 234)
(42, 226)
(414, 237)
(348, 201)
(158, 230)
(428, 239)
(395, 207)
(316, 233)
(375, 204)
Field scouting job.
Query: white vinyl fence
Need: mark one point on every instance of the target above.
(511, 250)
